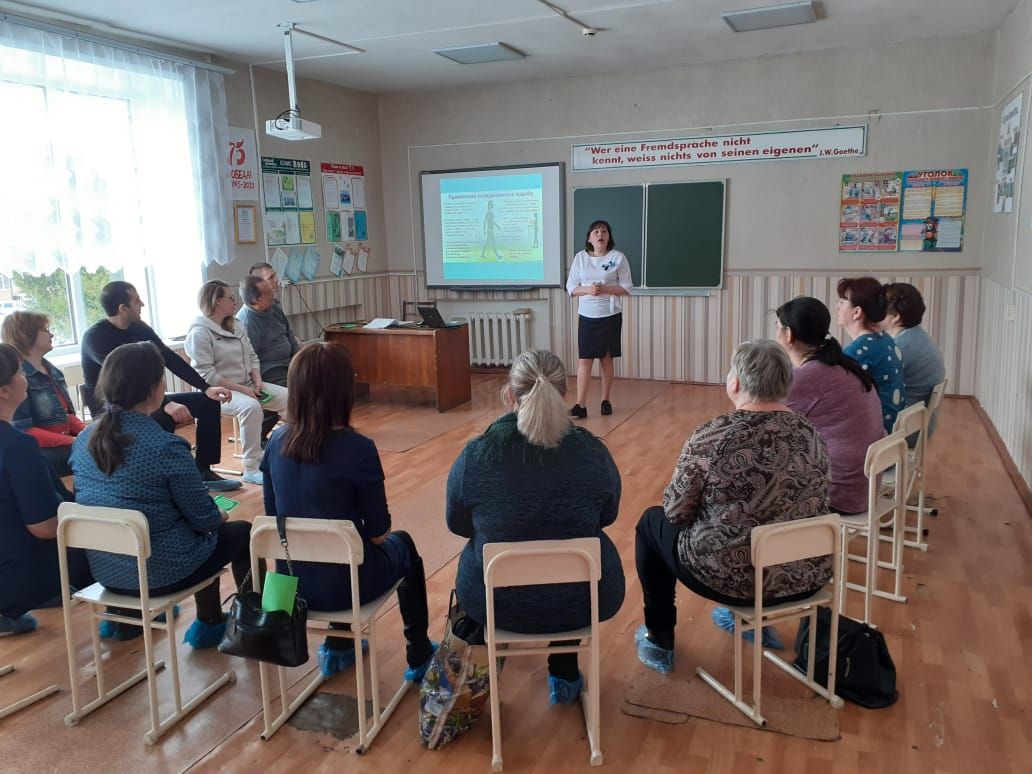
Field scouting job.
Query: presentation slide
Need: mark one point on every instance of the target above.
(493, 227)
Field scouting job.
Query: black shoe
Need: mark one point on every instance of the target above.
(607, 408)
(579, 412)
(217, 483)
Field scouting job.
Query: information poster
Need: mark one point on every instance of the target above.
(869, 211)
(242, 168)
(289, 216)
(917, 210)
(1007, 155)
(343, 188)
(934, 204)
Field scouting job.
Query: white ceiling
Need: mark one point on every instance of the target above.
(399, 35)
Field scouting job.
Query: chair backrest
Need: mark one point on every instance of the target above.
(936, 397)
(535, 562)
(885, 453)
(310, 540)
(790, 541)
(115, 530)
(912, 419)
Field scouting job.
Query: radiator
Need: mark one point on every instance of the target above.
(496, 338)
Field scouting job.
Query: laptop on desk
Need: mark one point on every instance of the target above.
(432, 317)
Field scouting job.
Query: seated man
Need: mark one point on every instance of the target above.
(266, 323)
(122, 305)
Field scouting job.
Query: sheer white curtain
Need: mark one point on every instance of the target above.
(112, 159)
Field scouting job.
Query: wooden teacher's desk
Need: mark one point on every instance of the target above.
(415, 357)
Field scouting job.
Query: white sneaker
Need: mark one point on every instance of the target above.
(253, 477)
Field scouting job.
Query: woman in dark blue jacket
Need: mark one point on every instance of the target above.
(532, 475)
(316, 466)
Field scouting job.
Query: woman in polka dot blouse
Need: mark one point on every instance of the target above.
(861, 306)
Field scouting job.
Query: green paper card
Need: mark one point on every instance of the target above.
(226, 503)
(278, 592)
(264, 397)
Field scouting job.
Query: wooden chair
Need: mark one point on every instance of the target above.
(336, 542)
(775, 544)
(883, 456)
(126, 532)
(913, 422)
(532, 563)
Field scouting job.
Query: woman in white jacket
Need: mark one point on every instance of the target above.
(224, 357)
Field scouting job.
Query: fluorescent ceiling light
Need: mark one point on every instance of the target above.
(485, 52)
(770, 16)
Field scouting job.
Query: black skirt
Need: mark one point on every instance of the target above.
(599, 336)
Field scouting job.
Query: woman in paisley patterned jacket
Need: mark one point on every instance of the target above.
(759, 464)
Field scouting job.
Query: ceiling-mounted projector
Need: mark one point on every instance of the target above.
(293, 128)
(289, 125)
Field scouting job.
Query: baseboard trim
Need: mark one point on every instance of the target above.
(1008, 462)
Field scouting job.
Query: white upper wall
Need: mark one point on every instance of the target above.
(350, 135)
(1008, 237)
(781, 215)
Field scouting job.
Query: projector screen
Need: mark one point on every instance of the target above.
(493, 227)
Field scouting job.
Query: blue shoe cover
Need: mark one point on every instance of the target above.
(332, 661)
(725, 619)
(23, 624)
(650, 654)
(122, 632)
(203, 635)
(416, 674)
(562, 691)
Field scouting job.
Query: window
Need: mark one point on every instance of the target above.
(102, 182)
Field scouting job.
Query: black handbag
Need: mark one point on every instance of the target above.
(275, 637)
(864, 673)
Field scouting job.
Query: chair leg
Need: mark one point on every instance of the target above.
(21, 704)
(496, 705)
(591, 704)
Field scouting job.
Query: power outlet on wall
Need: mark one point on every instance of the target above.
(1009, 313)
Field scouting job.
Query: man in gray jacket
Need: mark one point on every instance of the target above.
(268, 329)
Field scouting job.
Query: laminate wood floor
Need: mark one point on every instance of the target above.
(961, 644)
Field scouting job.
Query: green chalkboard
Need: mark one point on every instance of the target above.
(671, 233)
(621, 205)
(684, 235)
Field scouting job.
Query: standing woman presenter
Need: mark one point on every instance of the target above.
(599, 277)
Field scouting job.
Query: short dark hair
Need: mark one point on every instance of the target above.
(261, 265)
(866, 293)
(595, 224)
(904, 299)
(115, 294)
(250, 289)
(10, 363)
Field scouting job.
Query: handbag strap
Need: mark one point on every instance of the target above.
(281, 527)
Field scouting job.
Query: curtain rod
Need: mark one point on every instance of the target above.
(68, 32)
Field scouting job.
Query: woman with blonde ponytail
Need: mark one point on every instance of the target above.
(533, 475)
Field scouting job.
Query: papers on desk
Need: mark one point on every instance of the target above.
(380, 322)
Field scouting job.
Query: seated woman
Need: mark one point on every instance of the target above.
(922, 362)
(126, 460)
(317, 467)
(47, 414)
(28, 515)
(760, 464)
(224, 357)
(861, 307)
(532, 475)
(831, 390)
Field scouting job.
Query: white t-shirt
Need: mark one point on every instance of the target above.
(609, 269)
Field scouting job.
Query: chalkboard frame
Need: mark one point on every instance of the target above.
(639, 258)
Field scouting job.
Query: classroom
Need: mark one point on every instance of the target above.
(617, 104)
